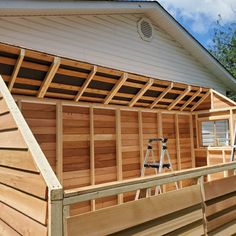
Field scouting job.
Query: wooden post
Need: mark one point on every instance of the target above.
(178, 145)
(192, 141)
(59, 142)
(119, 152)
(66, 213)
(92, 161)
(197, 130)
(231, 128)
(140, 128)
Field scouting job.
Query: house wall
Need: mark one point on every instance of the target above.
(109, 40)
(23, 191)
(103, 145)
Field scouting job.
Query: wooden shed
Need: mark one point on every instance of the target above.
(83, 87)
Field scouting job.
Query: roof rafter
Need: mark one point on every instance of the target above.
(86, 83)
(49, 77)
(16, 69)
(116, 88)
(179, 98)
(201, 100)
(141, 92)
(191, 99)
(164, 92)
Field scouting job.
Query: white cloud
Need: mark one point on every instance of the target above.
(202, 13)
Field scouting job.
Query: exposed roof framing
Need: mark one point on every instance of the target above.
(49, 77)
(201, 100)
(85, 84)
(44, 75)
(16, 69)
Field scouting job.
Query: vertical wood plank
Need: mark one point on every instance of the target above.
(140, 128)
(59, 142)
(231, 128)
(197, 130)
(178, 145)
(192, 141)
(92, 161)
(119, 152)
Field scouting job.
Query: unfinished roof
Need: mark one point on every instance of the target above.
(151, 9)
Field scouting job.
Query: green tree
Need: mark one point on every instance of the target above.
(224, 48)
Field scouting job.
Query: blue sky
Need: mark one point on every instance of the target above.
(199, 16)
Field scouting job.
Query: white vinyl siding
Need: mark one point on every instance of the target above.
(111, 41)
(215, 133)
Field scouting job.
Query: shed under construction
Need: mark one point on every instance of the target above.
(74, 133)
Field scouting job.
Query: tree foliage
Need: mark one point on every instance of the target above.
(224, 48)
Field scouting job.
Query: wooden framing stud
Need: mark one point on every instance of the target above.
(116, 88)
(141, 92)
(16, 69)
(164, 92)
(191, 99)
(86, 83)
(49, 77)
(179, 98)
(201, 100)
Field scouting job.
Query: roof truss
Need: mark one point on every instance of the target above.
(53, 77)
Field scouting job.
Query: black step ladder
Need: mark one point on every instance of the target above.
(158, 166)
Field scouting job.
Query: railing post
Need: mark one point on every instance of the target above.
(66, 213)
(201, 183)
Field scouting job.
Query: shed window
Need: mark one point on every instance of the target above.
(215, 133)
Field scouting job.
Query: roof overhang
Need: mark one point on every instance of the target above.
(151, 8)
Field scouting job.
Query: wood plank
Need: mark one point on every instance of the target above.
(116, 88)
(179, 98)
(227, 229)
(119, 152)
(192, 141)
(24, 181)
(7, 122)
(220, 187)
(49, 77)
(191, 99)
(27, 204)
(12, 140)
(133, 213)
(85, 84)
(162, 95)
(92, 152)
(59, 142)
(6, 230)
(20, 222)
(18, 159)
(3, 107)
(141, 92)
(16, 69)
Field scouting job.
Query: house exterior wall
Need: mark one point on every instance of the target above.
(109, 40)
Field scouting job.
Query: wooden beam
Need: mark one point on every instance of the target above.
(178, 145)
(119, 152)
(140, 130)
(72, 196)
(191, 99)
(116, 88)
(201, 100)
(16, 69)
(164, 92)
(85, 84)
(192, 141)
(59, 142)
(92, 155)
(49, 77)
(141, 92)
(231, 128)
(179, 98)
